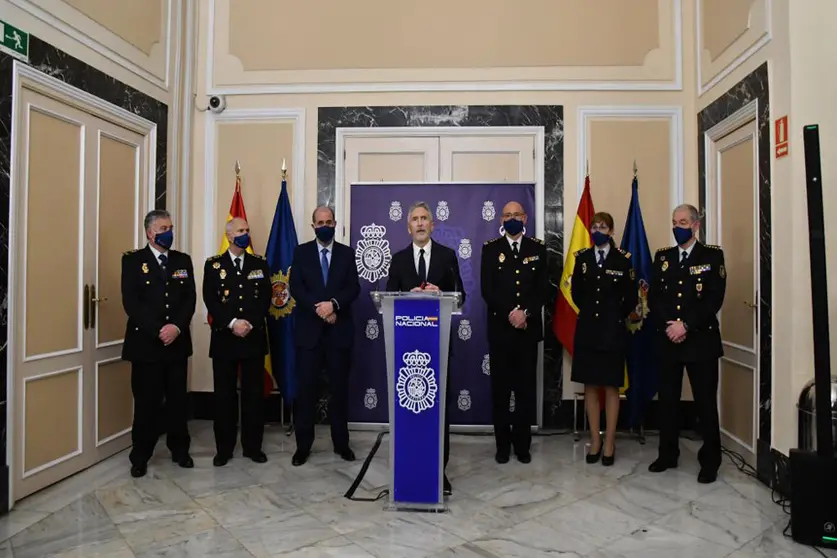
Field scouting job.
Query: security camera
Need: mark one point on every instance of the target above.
(217, 104)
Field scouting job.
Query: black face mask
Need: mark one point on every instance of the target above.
(324, 233)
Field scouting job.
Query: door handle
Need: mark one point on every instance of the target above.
(97, 300)
(85, 310)
(750, 304)
(93, 299)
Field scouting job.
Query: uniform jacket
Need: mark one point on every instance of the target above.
(307, 288)
(152, 299)
(229, 295)
(605, 297)
(508, 283)
(692, 293)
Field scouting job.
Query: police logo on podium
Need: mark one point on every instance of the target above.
(464, 330)
(372, 255)
(416, 386)
(281, 303)
(442, 211)
(464, 400)
(486, 365)
(465, 248)
(372, 330)
(488, 211)
(370, 399)
(395, 211)
(511, 403)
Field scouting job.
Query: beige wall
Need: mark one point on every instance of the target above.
(148, 45)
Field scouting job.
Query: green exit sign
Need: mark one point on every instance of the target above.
(14, 41)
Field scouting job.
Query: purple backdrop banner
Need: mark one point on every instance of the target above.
(465, 217)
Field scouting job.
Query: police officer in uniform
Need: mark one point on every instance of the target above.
(514, 285)
(158, 295)
(236, 291)
(603, 288)
(687, 291)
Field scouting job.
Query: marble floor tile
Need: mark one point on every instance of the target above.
(280, 534)
(158, 528)
(470, 519)
(533, 540)
(346, 516)
(595, 524)
(18, 520)
(657, 542)
(138, 495)
(6, 550)
(405, 536)
(339, 547)
(205, 480)
(772, 543)
(214, 543)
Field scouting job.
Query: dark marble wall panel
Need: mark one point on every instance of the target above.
(329, 119)
(60, 65)
(754, 86)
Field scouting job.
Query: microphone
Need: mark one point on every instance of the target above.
(456, 287)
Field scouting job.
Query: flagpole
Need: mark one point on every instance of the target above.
(290, 430)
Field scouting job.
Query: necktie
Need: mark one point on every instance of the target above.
(684, 255)
(422, 268)
(163, 261)
(324, 265)
(601, 258)
(514, 249)
(237, 262)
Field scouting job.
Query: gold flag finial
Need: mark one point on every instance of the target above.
(284, 169)
(634, 167)
(237, 168)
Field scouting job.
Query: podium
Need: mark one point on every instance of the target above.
(417, 340)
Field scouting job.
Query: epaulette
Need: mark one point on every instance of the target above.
(215, 257)
(623, 252)
(579, 252)
(538, 240)
(129, 252)
(664, 249)
(713, 246)
(487, 242)
(258, 256)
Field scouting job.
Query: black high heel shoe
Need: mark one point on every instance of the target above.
(608, 460)
(594, 457)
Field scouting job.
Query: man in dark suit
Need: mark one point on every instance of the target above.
(324, 283)
(514, 284)
(426, 266)
(236, 291)
(688, 285)
(158, 294)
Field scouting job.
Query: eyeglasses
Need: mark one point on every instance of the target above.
(507, 216)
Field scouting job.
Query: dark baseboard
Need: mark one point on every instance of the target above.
(557, 416)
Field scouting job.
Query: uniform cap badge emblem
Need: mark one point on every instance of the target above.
(665, 266)
(223, 274)
(502, 258)
(145, 268)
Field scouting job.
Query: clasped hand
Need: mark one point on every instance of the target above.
(427, 287)
(242, 328)
(325, 310)
(517, 318)
(676, 331)
(168, 333)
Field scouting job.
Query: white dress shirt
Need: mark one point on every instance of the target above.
(605, 249)
(427, 247)
(321, 247)
(512, 242)
(687, 250)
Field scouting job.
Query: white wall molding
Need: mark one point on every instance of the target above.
(765, 38)
(180, 185)
(537, 132)
(676, 84)
(296, 182)
(90, 41)
(674, 114)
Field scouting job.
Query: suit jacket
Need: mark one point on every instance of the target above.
(230, 295)
(153, 299)
(442, 270)
(605, 297)
(508, 283)
(692, 293)
(307, 288)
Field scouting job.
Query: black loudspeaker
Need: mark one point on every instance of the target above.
(814, 475)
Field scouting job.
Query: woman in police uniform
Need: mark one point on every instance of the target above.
(604, 290)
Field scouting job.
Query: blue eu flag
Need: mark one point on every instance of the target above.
(280, 321)
(642, 373)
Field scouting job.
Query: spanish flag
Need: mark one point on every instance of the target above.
(237, 211)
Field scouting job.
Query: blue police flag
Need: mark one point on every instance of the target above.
(642, 371)
(280, 322)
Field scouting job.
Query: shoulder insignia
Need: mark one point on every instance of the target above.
(664, 249)
(215, 257)
(258, 256)
(538, 240)
(129, 252)
(487, 242)
(578, 253)
(713, 246)
(623, 252)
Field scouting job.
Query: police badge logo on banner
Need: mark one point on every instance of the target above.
(464, 400)
(373, 255)
(486, 365)
(464, 330)
(442, 211)
(465, 248)
(488, 211)
(372, 330)
(395, 211)
(370, 400)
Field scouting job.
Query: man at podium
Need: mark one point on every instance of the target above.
(426, 266)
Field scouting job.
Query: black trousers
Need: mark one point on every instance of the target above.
(703, 377)
(310, 365)
(159, 390)
(225, 374)
(513, 369)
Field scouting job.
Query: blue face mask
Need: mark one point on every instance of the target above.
(513, 227)
(164, 239)
(600, 238)
(682, 235)
(324, 234)
(242, 241)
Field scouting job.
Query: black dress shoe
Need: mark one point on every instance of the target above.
(501, 457)
(256, 456)
(661, 465)
(346, 454)
(448, 489)
(524, 457)
(300, 457)
(221, 460)
(707, 476)
(609, 460)
(184, 461)
(138, 471)
(594, 457)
